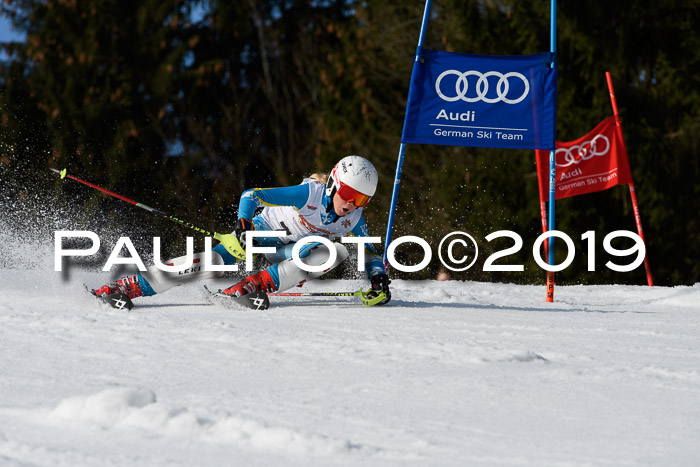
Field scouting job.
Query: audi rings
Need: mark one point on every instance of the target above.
(482, 86)
(582, 152)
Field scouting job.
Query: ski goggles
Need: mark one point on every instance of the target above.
(351, 195)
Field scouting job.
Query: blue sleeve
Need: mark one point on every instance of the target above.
(374, 263)
(295, 196)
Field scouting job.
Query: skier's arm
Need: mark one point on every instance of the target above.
(374, 263)
(295, 196)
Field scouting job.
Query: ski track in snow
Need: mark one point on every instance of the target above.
(450, 373)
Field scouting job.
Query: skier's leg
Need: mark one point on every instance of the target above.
(286, 274)
(160, 281)
(153, 280)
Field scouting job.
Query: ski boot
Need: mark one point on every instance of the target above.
(129, 286)
(261, 281)
(119, 294)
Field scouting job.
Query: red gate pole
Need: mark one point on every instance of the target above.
(635, 207)
(543, 206)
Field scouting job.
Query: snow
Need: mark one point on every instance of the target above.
(450, 373)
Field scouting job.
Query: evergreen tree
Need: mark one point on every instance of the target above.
(187, 103)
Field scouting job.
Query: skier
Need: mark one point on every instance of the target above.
(330, 210)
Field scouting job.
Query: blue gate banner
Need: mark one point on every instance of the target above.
(482, 100)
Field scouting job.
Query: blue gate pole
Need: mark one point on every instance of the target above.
(402, 148)
(552, 161)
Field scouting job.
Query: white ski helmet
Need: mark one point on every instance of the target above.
(354, 178)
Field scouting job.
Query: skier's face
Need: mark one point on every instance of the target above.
(342, 207)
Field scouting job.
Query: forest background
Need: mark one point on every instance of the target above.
(182, 105)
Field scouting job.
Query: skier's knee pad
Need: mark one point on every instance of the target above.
(291, 275)
(160, 281)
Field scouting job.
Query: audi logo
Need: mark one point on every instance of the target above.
(582, 152)
(482, 86)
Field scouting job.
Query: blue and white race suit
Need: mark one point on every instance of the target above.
(300, 211)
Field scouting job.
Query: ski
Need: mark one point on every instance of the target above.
(117, 300)
(257, 300)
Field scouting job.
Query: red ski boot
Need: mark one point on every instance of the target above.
(260, 281)
(128, 285)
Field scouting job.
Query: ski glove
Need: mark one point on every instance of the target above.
(242, 227)
(380, 283)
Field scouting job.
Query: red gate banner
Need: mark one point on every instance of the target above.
(594, 162)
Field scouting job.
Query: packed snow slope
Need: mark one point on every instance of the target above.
(449, 373)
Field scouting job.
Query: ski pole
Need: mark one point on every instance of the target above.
(315, 294)
(362, 295)
(229, 241)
